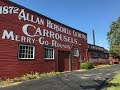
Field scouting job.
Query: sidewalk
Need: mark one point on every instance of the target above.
(76, 80)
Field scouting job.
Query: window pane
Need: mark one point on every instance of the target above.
(20, 56)
(20, 51)
(20, 47)
(31, 56)
(28, 56)
(23, 47)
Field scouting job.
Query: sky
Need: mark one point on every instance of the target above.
(84, 15)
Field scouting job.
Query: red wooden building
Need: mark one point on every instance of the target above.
(31, 42)
(98, 55)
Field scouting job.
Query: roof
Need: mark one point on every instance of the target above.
(96, 47)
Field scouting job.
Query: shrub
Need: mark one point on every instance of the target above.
(86, 65)
(37, 75)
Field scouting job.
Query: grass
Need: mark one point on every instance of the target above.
(101, 66)
(18, 80)
(114, 84)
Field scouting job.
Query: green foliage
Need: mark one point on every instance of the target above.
(114, 54)
(113, 37)
(86, 65)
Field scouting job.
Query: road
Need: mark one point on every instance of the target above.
(93, 79)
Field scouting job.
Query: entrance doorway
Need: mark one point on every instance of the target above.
(63, 61)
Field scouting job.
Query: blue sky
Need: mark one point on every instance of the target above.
(84, 15)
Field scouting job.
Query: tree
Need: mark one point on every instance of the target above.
(113, 37)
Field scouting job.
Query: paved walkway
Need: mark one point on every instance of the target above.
(89, 80)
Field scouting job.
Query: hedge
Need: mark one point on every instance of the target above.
(86, 65)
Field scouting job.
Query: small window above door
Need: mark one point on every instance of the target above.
(76, 52)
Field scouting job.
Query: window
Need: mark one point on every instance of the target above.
(106, 56)
(26, 51)
(76, 52)
(91, 54)
(82, 58)
(48, 53)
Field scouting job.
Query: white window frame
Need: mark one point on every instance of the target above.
(49, 52)
(76, 52)
(27, 51)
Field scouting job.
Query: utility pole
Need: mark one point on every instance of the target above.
(93, 37)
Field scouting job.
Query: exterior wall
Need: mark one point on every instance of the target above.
(97, 55)
(13, 23)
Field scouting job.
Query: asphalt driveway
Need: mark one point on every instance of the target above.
(88, 80)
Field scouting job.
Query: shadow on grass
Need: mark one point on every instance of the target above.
(114, 84)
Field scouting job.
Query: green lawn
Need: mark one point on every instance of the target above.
(115, 83)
